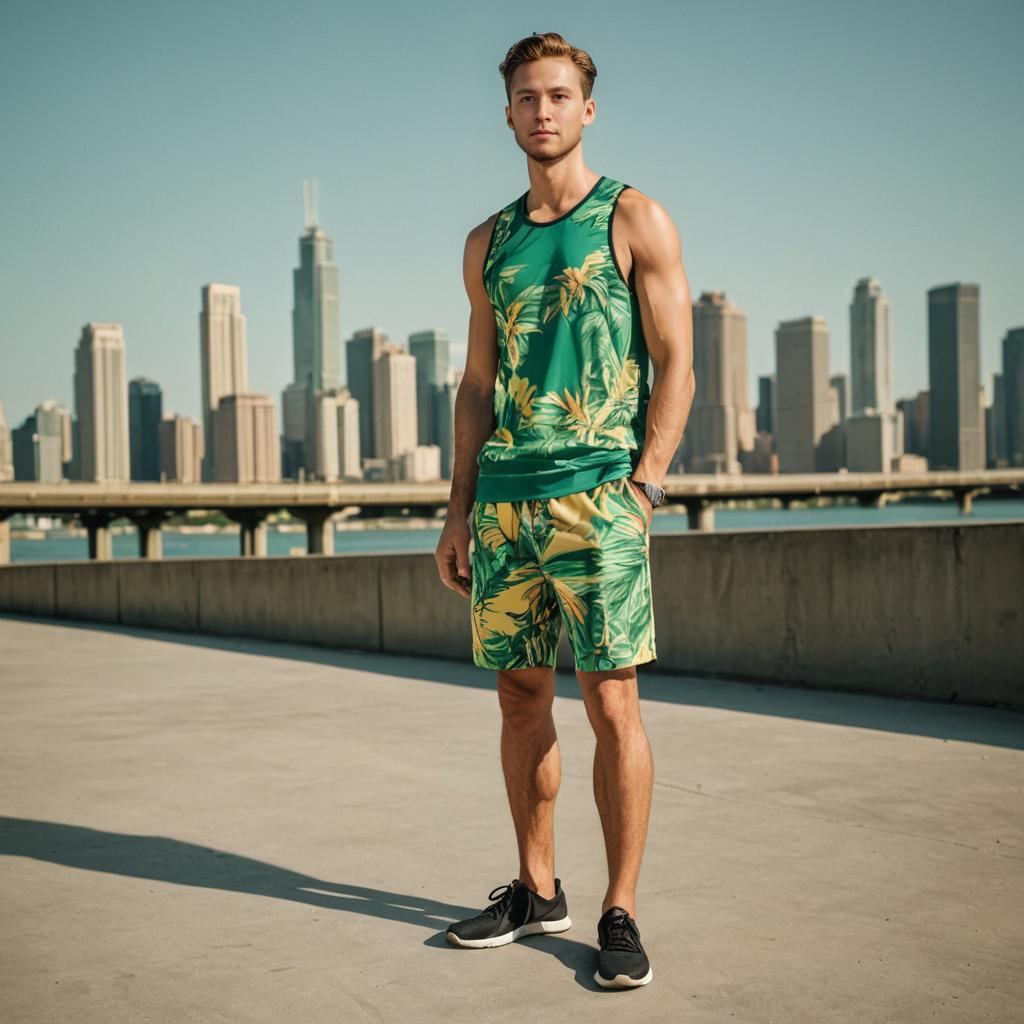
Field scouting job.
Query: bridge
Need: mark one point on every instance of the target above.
(149, 505)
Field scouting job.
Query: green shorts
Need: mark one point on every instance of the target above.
(583, 559)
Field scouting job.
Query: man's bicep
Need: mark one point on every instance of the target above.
(663, 290)
(482, 346)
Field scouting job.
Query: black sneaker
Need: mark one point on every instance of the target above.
(518, 910)
(621, 960)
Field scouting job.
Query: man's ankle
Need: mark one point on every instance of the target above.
(545, 889)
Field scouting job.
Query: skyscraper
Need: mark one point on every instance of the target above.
(837, 382)
(394, 402)
(802, 399)
(295, 400)
(316, 343)
(145, 410)
(362, 351)
(247, 442)
(350, 465)
(430, 349)
(101, 404)
(181, 450)
(6, 451)
(222, 357)
(1013, 394)
(870, 348)
(721, 424)
(766, 403)
(954, 376)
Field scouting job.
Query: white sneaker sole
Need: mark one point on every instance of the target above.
(623, 980)
(534, 928)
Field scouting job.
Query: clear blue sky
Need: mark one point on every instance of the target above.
(150, 148)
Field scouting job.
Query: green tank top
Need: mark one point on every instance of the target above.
(571, 391)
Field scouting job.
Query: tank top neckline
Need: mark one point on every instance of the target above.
(568, 213)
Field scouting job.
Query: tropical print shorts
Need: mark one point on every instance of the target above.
(582, 559)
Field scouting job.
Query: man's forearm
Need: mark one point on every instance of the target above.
(667, 413)
(474, 424)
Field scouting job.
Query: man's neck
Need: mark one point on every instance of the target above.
(557, 187)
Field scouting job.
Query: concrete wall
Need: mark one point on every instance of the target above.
(924, 611)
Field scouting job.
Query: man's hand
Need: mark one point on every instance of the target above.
(452, 556)
(643, 497)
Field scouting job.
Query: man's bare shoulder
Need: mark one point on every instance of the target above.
(642, 215)
(480, 236)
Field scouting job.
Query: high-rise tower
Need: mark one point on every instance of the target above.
(954, 378)
(316, 342)
(870, 349)
(101, 404)
(222, 359)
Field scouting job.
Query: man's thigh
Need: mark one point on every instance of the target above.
(596, 552)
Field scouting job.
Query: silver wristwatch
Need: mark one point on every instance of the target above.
(655, 494)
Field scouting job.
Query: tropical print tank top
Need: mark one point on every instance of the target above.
(571, 391)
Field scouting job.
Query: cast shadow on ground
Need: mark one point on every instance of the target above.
(161, 859)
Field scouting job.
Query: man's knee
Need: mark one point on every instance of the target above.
(526, 693)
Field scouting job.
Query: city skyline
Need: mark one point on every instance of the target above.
(879, 171)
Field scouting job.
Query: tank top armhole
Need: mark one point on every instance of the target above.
(629, 283)
(490, 242)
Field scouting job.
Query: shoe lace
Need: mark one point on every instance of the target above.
(503, 899)
(623, 934)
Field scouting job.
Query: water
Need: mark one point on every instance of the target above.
(226, 545)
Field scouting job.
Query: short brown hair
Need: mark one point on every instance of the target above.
(547, 44)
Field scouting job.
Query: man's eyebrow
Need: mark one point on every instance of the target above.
(554, 88)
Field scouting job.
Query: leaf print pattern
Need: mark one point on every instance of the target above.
(582, 560)
(572, 370)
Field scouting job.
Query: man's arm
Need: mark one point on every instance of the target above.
(666, 313)
(474, 413)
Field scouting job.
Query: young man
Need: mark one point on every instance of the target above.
(560, 452)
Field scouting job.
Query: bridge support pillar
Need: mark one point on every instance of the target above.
(319, 530)
(965, 499)
(253, 533)
(700, 515)
(151, 540)
(5, 539)
(101, 541)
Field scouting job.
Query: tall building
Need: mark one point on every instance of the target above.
(322, 460)
(721, 424)
(362, 351)
(248, 449)
(916, 423)
(995, 426)
(766, 404)
(101, 404)
(431, 351)
(295, 400)
(1013, 391)
(870, 348)
(223, 358)
(802, 392)
(838, 384)
(446, 423)
(145, 411)
(181, 450)
(873, 440)
(954, 378)
(6, 450)
(394, 402)
(350, 463)
(316, 342)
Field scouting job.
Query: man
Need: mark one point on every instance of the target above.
(560, 452)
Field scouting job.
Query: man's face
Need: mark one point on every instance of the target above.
(547, 111)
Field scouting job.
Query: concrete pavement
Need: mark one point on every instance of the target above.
(203, 829)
